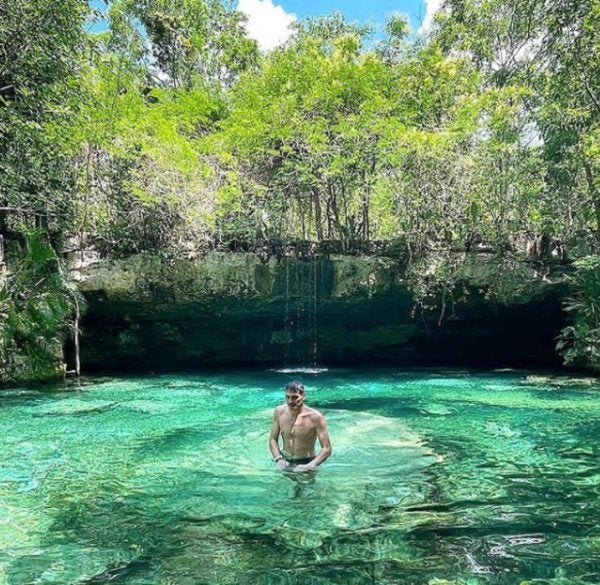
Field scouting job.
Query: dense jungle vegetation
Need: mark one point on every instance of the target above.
(169, 132)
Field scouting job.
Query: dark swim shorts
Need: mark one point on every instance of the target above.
(299, 460)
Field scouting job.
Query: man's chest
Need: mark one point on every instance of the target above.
(302, 427)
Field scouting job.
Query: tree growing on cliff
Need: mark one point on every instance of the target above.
(579, 343)
(303, 131)
(39, 311)
(550, 50)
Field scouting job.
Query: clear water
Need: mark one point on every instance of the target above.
(436, 477)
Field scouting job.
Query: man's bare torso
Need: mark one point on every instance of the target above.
(299, 431)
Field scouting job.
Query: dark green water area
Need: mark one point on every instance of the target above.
(436, 477)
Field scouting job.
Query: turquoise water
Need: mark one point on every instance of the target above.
(435, 477)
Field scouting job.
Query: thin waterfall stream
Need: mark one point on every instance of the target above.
(301, 309)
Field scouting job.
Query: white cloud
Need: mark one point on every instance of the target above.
(432, 7)
(268, 23)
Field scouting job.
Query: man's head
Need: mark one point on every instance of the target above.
(294, 395)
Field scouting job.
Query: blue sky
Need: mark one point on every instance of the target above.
(269, 20)
(373, 11)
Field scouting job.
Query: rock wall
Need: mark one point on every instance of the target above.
(147, 314)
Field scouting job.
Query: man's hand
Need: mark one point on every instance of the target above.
(304, 468)
(281, 464)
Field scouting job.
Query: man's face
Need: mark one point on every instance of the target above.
(294, 400)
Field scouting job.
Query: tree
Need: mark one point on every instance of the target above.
(144, 182)
(37, 304)
(579, 343)
(38, 66)
(304, 131)
(185, 43)
(551, 50)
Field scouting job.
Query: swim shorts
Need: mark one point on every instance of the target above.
(299, 460)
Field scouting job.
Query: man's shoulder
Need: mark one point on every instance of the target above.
(315, 414)
(279, 409)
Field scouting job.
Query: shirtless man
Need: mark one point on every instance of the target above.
(300, 427)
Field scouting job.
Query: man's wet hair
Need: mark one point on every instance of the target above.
(294, 387)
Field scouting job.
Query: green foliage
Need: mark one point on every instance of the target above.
(324, 139)
(551, 51)
(332, 142)
(187, 42)
(579, 343)
(143, 179)
(37, 303)
(321, 128)
(38, 65)
(297, 127)
(169, 132)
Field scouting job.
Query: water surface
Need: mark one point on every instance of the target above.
(458, 476)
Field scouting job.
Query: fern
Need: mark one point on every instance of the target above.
(37, 306)
(579, 343)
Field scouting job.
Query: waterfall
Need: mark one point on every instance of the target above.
(301, 307)
(286, 317)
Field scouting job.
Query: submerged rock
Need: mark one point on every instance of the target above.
(74, 406)
(549, 382)
(437, 409)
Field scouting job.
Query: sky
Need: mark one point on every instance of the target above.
(269, 20)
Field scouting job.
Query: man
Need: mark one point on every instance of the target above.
(300, 427)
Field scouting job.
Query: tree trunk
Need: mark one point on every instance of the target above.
(365, 213)
(77, 348)
(318, 214)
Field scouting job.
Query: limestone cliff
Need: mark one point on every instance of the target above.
(150, 314)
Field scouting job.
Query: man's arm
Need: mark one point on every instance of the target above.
(274, 441)
(324, 441)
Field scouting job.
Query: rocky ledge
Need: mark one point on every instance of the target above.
(240, 309)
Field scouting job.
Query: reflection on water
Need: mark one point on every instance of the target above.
(435, 478)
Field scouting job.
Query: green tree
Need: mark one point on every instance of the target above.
(185, 43)
(551, 49)
(304, 133)
(39, 311)
(579, 343)
(40, 41)
(144, 182)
